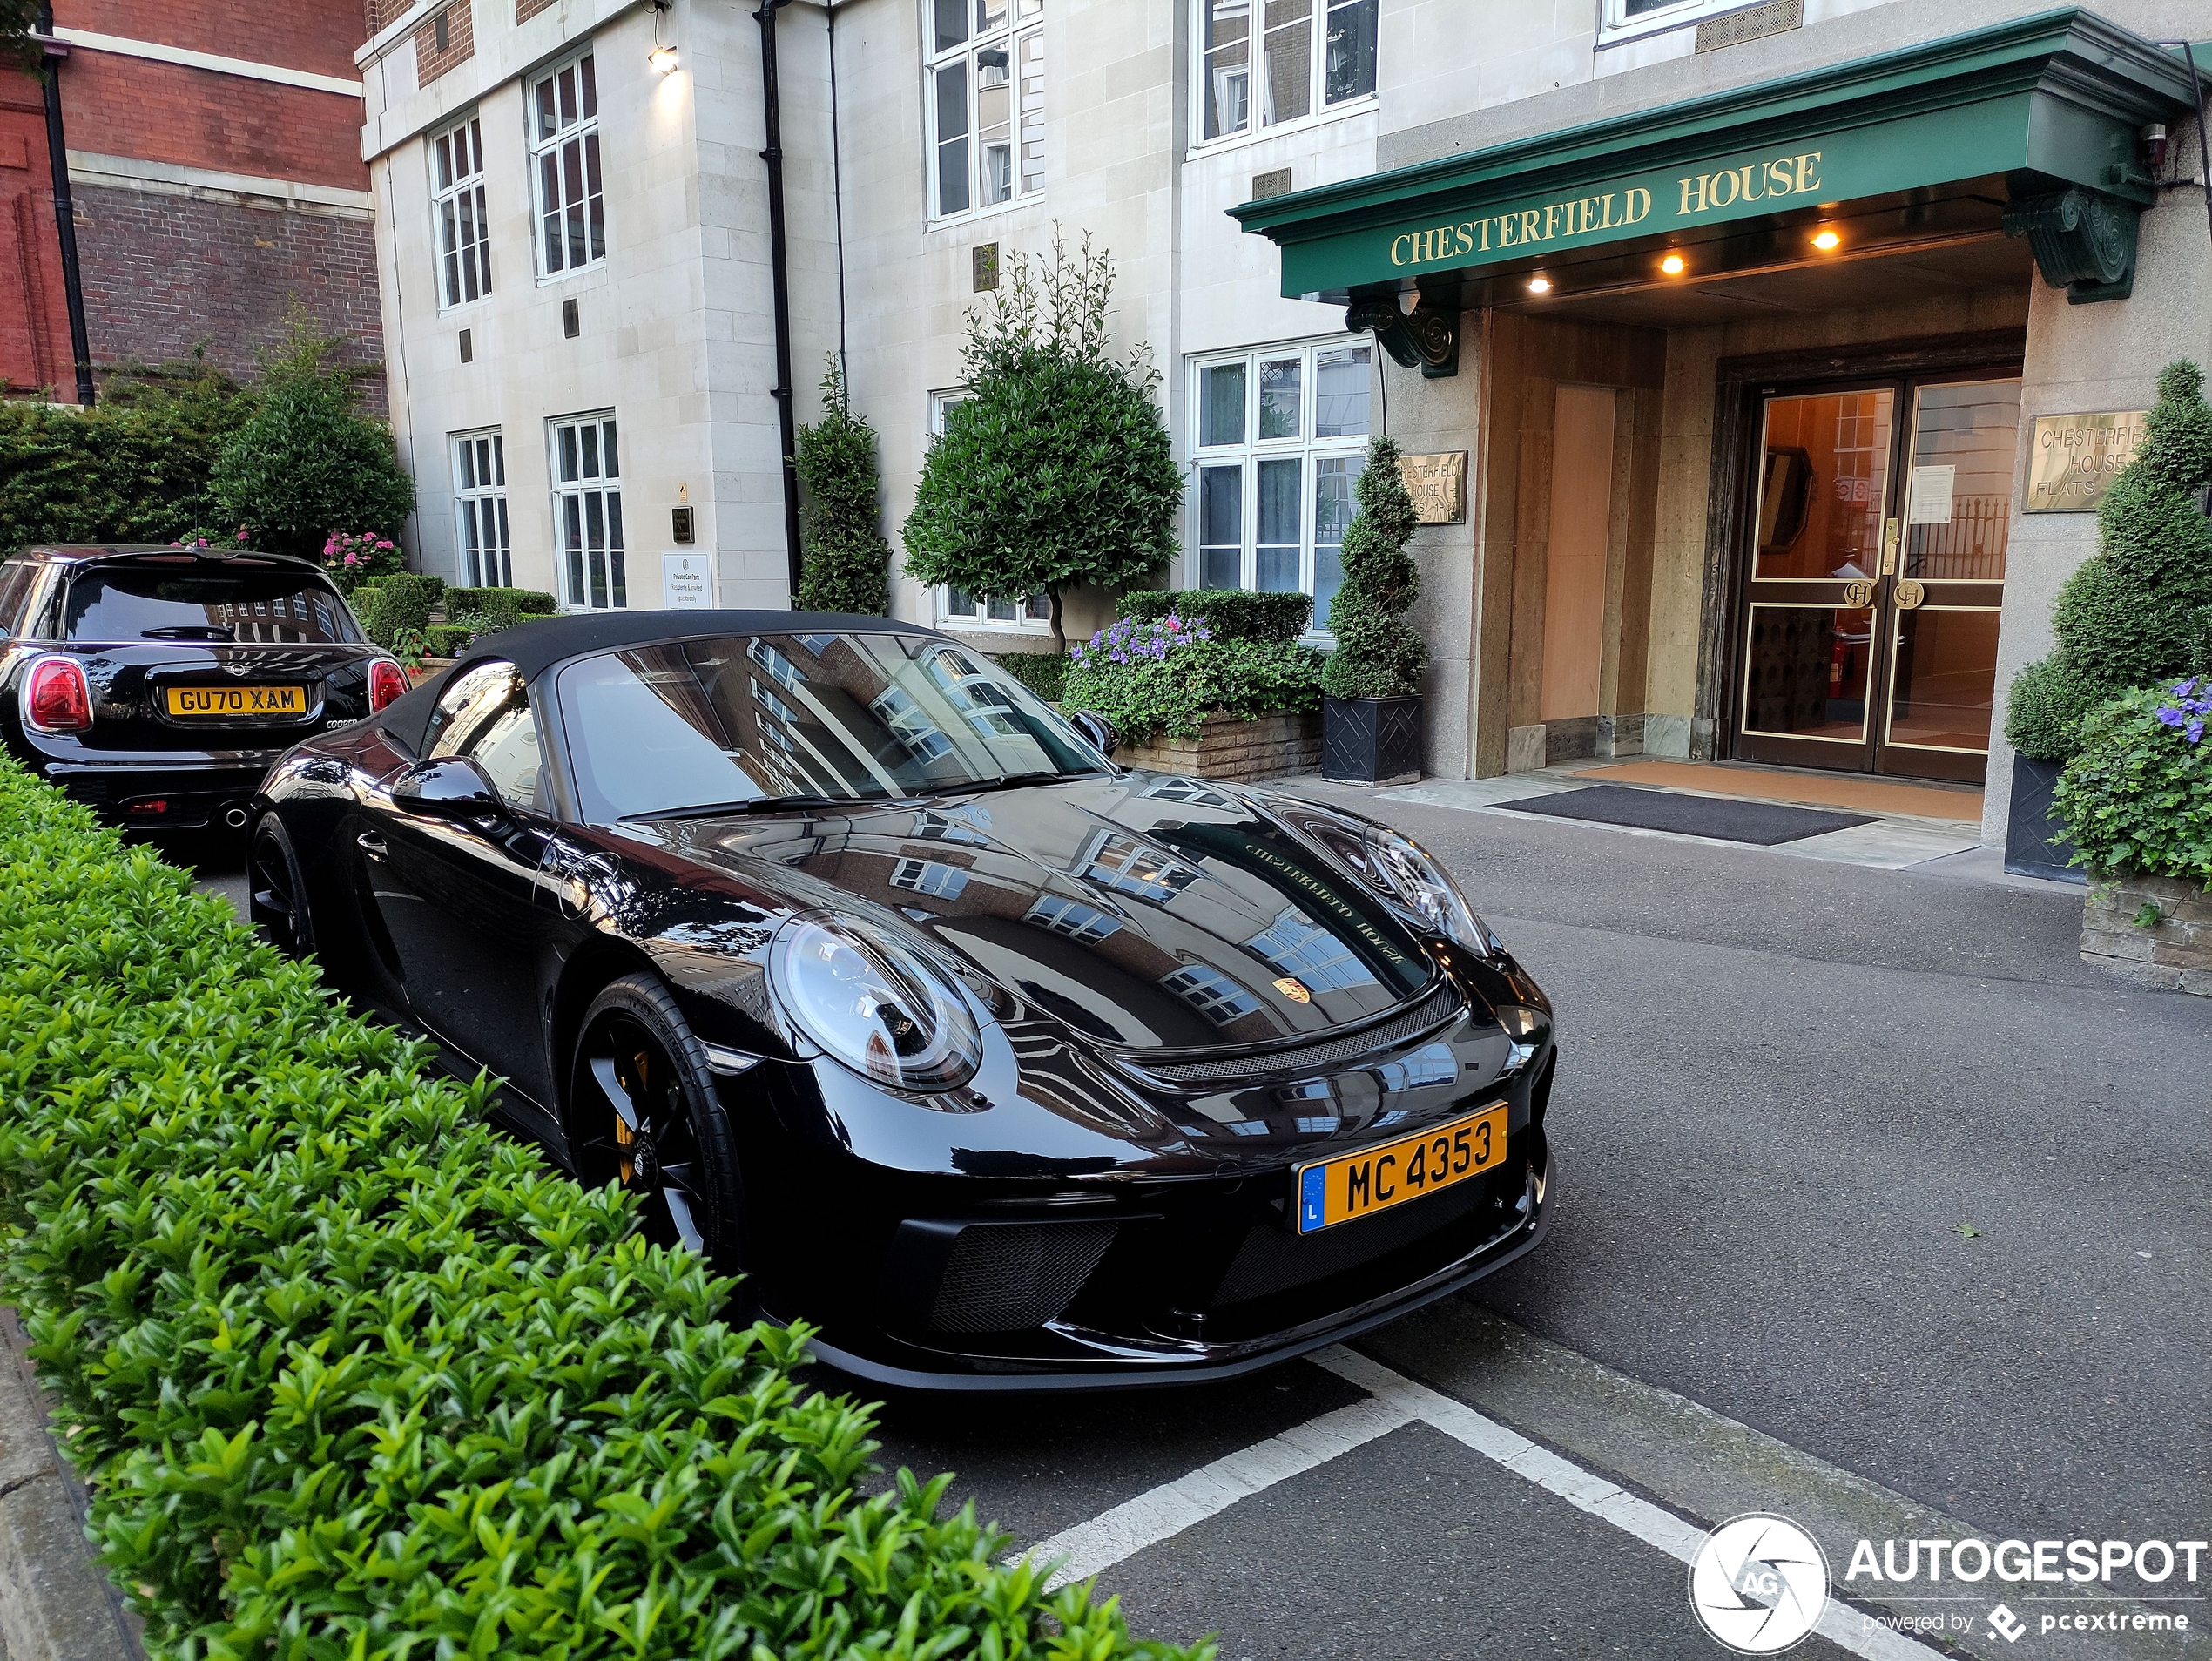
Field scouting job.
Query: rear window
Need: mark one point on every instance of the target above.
(276, 605)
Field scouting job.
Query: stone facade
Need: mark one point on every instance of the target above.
(2170, 947)
(1231, 746)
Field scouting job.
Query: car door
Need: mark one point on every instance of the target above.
(460, 898)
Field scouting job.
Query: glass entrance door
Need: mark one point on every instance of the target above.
(1875, 570)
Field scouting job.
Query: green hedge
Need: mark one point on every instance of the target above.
(504, 607)
(349, 1374)
(449, 639)
(1045, 673)
(396, 602)
(2137, 797)
(1231, 613)
(1149, 679)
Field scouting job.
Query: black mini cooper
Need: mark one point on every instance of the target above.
(157, 685)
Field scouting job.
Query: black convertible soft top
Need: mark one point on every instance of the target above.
(534, 647)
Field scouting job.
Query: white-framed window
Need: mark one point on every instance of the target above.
(1630, 19)
(587, 512)
(463, 229)
(956, 606)
(565, 165)
(1280, 435)
(930, 876)
(480, 503)
(1265, 63)
(983, 97)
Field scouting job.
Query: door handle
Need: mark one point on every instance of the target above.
(371, 844)
(1888, 549)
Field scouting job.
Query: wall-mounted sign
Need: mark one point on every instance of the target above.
(1437, 485)
(2074, 459)
(686, 580)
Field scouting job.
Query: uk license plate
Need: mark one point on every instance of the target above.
(1390, 1173)
(236, 702)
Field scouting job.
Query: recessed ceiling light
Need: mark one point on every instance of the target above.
(1673, 265)
(1539, 285)
(1825, 241)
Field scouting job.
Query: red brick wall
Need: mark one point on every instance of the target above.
(133, 106)
(163, 274)
(460, 41)
(34, 315)
(526, 9)
(317, 35)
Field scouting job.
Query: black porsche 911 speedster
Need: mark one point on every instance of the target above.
(877, 980)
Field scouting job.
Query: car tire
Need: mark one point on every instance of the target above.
(644, 1113)
(278, 886)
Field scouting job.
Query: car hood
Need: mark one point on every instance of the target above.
(1147, 913)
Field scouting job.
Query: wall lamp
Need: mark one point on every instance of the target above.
(1827, 241)
(664, 59)
(1539, 284)
(1674, 265)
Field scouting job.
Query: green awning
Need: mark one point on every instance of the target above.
(2040, 115)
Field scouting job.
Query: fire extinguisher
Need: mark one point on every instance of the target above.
(1838, 664)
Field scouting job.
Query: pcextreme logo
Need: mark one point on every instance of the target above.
(1759, 1584)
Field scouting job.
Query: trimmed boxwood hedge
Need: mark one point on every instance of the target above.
(1231, 613)
(351, 1376)
(397, 603)
(504, 606)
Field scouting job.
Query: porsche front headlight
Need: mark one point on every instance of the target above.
(875, 1005)
(1401, 868)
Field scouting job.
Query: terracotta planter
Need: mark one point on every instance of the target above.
(1371, 740)
(1234, 746)
(2153, 930)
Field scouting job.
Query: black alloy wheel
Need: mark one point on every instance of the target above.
(278, 906)
(645, 1114)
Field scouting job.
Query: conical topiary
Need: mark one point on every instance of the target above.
(1379, 654)
(845, 561)
(2125, 619)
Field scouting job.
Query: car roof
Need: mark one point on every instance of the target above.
(94, 553)
(534, 647)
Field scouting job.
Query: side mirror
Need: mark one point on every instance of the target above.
(448, 789)
(1100, 731)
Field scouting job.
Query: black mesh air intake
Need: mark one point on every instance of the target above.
(1010, 1277)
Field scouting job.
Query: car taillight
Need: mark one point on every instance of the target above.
(55, 696)
(386, 683)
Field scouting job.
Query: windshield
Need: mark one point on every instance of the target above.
(274, 604)
(746, 719)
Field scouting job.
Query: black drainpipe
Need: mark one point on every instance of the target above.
(65, 210)
(773, 155)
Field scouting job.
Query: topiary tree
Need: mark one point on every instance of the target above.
(306, 462)
(1055, 469)
(2125, 619)
(1379, 654)
(846, 560)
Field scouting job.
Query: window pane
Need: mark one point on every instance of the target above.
(1276, 569)
(1289, 92)
(445, 162)
(468, 465)
(952, 146)
(1221, 404)
(994, 123)
(1002, 610)
(499, 459)
(1279, 397)
(545, 121)
(1348, 65)
(1221, 526)
(951, 23)
(591, 436)
(1228, 66)
(1340, 384)
(614, 468)
(614, 521)
(587, 71)
(621, 577)
(567, 82)
(989, 14)
(567, 453)
(1333, 507)
(1029, 53)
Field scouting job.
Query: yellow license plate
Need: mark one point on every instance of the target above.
(237, 702)
(1390, 1173)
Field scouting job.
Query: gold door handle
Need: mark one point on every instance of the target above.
(1889, 548)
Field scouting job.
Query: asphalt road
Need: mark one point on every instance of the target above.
(1867, 1162)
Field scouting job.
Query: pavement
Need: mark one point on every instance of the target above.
(1877, 1209)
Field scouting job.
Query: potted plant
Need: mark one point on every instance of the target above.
(2124, 618)
(2137, 802)
(1371, 713)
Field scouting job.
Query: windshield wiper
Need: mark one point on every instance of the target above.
(750, 805)
(190, 631)
(1015, 781)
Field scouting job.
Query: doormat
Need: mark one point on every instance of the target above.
(1730, 819)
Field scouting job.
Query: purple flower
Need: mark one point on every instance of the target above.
(2169, 715)
(2196, 729)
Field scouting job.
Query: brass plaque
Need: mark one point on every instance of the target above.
(1437, 485)
(1858, 595)
(2074, 459)
(1911, 592)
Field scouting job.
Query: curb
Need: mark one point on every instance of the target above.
(54, 1601)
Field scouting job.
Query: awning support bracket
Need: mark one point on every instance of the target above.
(1429, 336)
(2084, 241)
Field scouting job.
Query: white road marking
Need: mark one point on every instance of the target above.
(1394, 1401)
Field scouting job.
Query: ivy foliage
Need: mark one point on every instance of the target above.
(1165, 677)
(134, 467)
(845, 561)
(350, 1375)
(2137, 799)
(306, 462)
(1055, 469)
(2124, 618)
(18, 20)
(1379, 654)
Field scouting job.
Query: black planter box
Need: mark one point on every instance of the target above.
(1371, 740)
(2036, 845)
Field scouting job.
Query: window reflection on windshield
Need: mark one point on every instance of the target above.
(848, 717)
